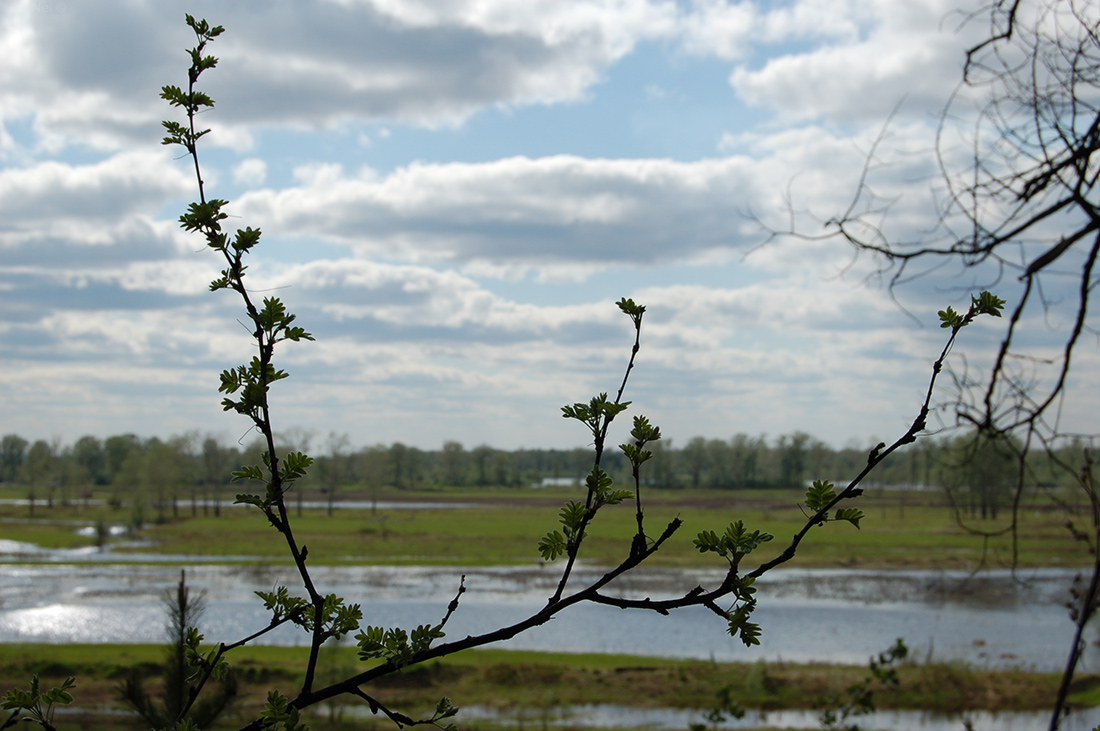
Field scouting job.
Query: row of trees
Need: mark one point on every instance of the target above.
(978, 472)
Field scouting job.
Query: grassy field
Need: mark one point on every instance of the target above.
(900, 530)
(534, 681)
(503, 526)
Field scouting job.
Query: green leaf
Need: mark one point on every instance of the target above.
(294, 466)
(571, 516)
(552, 545)
(32, 701)
(444, 709)
(708, 541)
(598, 480)
(643, 431)
(16, 699)
(595, 412)
(246, 239)
(740, 626)
(615, 497)
(852, 515)
(820, 494)
(635, 311)
(750, 634)
(741, 542)
(281, 604)
(423, 636)
(393, 645)
(276, 706)
(950, 319)
(987, 304)
(745, 589)
(734, 544)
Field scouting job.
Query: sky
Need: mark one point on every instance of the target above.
(454, 193)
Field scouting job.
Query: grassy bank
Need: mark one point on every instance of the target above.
(535, 681)
(502, 527)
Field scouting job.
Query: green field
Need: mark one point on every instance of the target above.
(900, 530)
(530, 682)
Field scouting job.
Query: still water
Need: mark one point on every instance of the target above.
(608, 716)
(990, 620)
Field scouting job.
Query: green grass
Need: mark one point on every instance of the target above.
(506, 527)
(507, 679)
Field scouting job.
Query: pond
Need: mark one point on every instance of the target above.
(990, 620)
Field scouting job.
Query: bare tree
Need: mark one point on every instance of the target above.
(1016, 148)
(1023, 200)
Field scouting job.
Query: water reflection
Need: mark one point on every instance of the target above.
(625, 717)
(830, 616)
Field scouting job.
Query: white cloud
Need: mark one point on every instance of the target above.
(47, 194)
(564, 218)
(91, 75)
(721, 28)
(435, 288)
(251, 172)
(908, 50)
(544, 211)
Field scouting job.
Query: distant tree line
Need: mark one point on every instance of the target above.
(157, 478)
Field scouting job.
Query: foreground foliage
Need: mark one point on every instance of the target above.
(533, 681)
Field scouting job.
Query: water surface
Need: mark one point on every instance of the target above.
(991, 620)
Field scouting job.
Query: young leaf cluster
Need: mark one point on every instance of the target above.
(821, 494)
(572, 517)
(599, 485)
(192, 101)
(291, 469)
(395, 646)
(734, 544)
(37, 706)
(253, 381)
(443, 710)
(642, 433)
(280, 715)
(983, 304)
(281, 604)
(737, 618)
(212, 661)
(634, 311)
(595, 412)
(337, 619)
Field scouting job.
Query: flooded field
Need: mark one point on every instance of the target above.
(990, 620)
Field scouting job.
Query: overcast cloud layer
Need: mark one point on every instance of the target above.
(452, 197)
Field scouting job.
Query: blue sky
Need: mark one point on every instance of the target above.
(453, 194)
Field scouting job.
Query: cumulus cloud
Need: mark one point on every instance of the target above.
(566, 217)
(886, 51)
(91, 74)
(522, 211)
(50, 194)
(434, 288)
